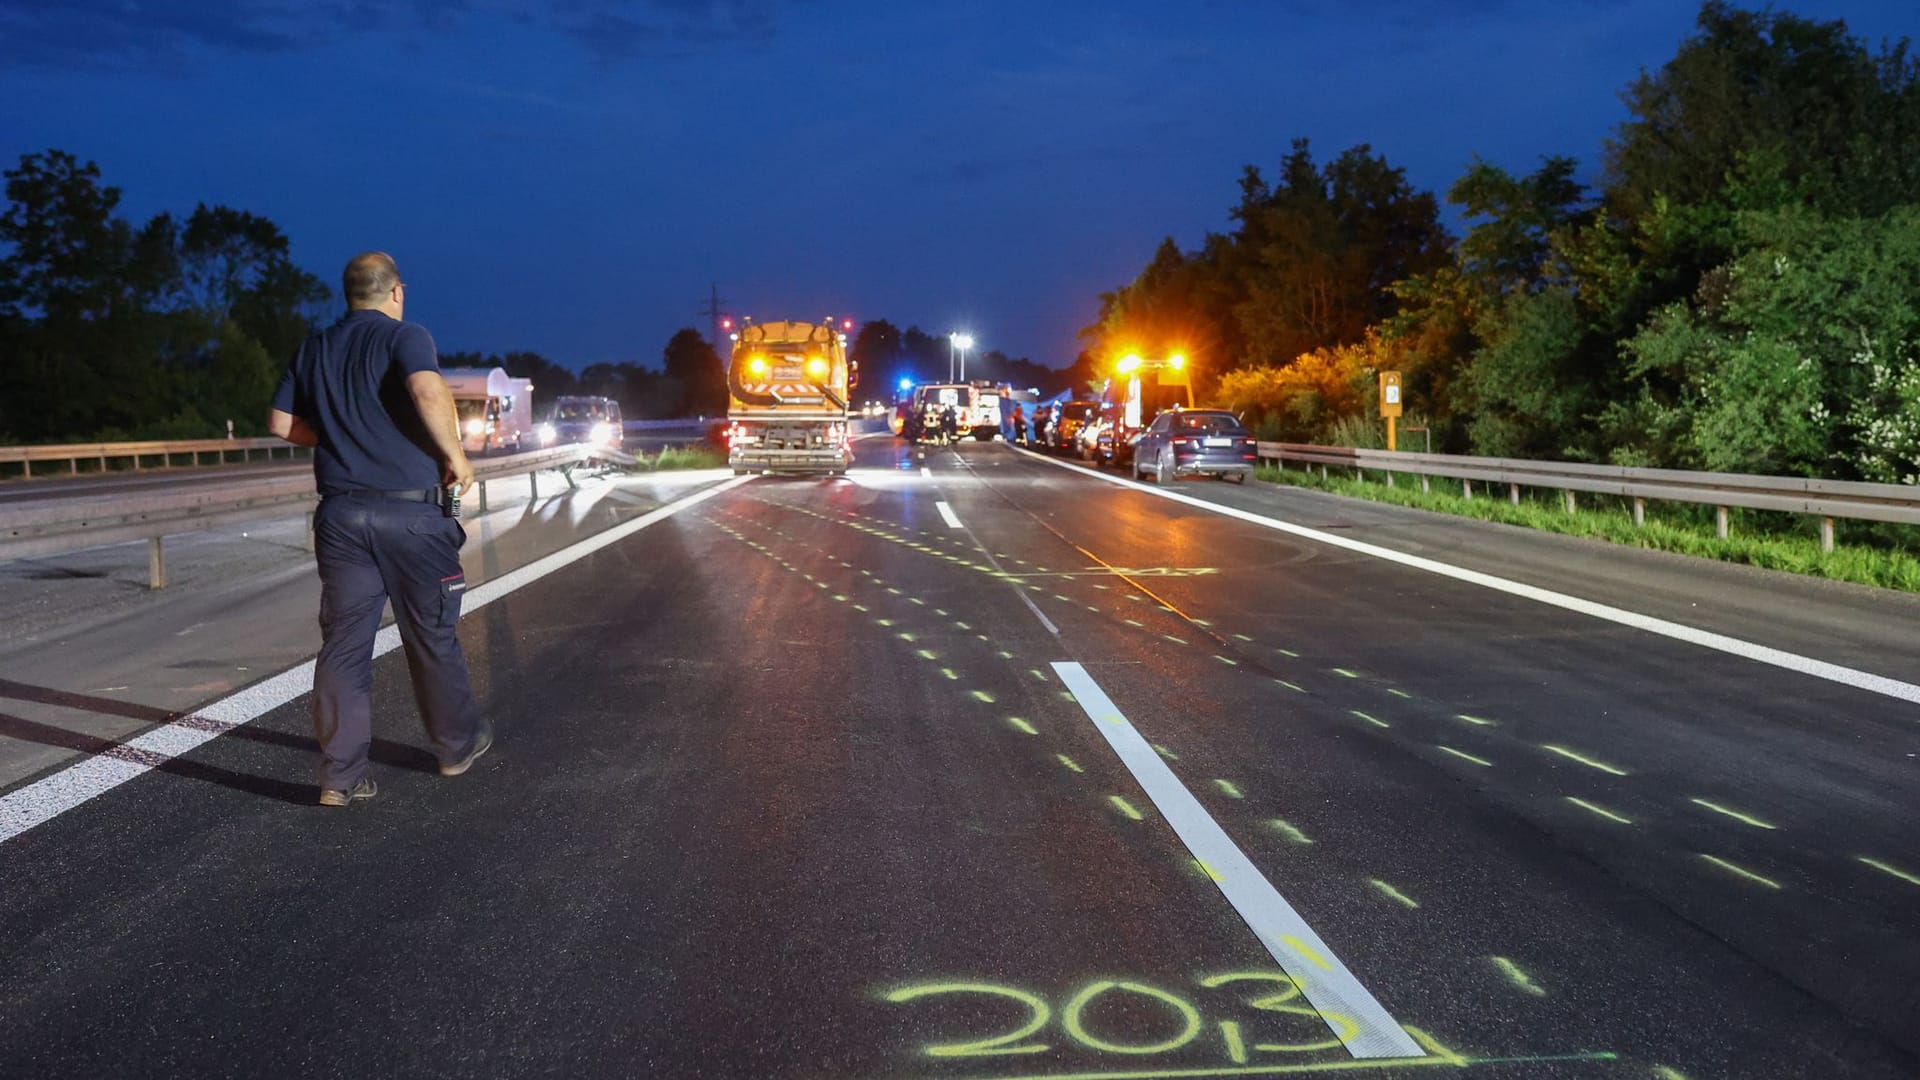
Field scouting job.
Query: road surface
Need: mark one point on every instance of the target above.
(979, 765)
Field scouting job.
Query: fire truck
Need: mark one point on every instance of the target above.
(789, 384)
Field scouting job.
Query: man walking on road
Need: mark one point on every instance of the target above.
(367, 396)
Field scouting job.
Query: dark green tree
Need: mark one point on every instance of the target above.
(691, 362)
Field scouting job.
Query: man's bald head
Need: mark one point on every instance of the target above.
(369, 279)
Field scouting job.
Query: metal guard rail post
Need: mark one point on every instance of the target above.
(103, 452)
(56, 526)
(1825, 499)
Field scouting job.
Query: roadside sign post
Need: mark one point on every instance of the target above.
(1390, 405)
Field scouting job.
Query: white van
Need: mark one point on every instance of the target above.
(496, 409)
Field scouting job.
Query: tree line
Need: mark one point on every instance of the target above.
(174, 327)
(1740, 290)
(167, 330)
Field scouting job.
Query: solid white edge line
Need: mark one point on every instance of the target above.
(947, 512)
(1322, 978)
(50, 796)
(1764, 654)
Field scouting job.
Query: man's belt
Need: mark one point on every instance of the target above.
(433, 495)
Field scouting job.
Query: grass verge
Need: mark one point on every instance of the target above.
(1865, 553)
(683, 457)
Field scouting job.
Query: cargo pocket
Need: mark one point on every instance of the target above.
(451, 590)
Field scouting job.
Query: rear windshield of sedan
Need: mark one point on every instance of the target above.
(1208, 424)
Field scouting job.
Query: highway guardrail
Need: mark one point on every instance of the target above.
(1825, 499)
(138, 453)
(57, 525)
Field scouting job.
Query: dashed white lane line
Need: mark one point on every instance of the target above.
(947, 513)
(926, 472)
(1707, 639)
(1351, 1012)
(44, 799)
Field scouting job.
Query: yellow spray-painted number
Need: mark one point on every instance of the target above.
(1282, 997)
(1281, 1003)
(984, 1047)
(1071, 1019)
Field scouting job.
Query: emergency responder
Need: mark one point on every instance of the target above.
(367, 396)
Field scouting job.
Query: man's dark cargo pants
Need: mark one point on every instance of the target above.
(371, 549)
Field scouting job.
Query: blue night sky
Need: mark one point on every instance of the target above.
(568, 177)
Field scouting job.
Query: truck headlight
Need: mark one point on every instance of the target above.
(600, 434)
(476, 427)
(547, 434)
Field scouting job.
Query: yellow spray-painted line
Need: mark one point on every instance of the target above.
(1288, 830)
(1393, 893)
(1126, 808)
(1741, 871)
(1374, 720)
(1464, 756)
(1600, 810)
(1911, 879)
(1744, 819)
(1517, 977)
(1591, 763)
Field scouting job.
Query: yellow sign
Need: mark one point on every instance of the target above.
(1389, 393)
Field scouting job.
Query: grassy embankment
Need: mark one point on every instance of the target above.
(1865, 553)
(683, 457)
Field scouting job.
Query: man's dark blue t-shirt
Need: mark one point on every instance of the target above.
(349, 383)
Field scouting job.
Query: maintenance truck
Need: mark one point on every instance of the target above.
(789, 385)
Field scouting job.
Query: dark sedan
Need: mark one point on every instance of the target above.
(1188, 442)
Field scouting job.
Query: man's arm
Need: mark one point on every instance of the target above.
(442, 421)
(292, 428)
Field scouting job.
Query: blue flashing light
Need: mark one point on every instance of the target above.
(906, 384)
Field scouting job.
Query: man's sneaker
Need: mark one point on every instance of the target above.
(481, 744)
(365, 789)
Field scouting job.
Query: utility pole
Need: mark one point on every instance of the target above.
(714, 313)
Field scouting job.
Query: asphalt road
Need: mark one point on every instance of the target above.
(791, 783)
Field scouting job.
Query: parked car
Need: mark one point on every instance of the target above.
(583, 419)
(1195, 442)
(1068, 418)
(1094, 442)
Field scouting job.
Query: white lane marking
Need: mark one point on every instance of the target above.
(1326, 982)
(926, 472)
(1707, 639)
(947, 512)
(44, 799)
